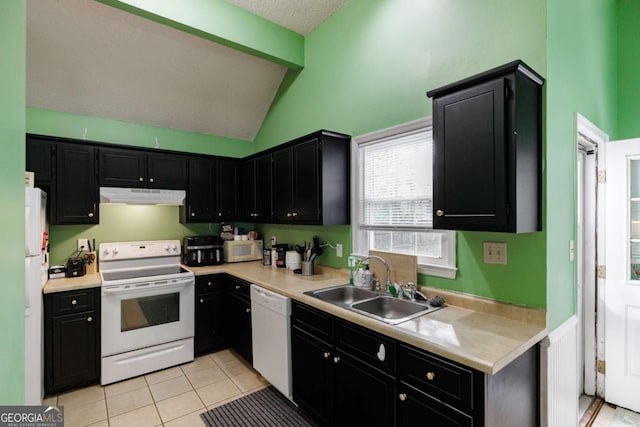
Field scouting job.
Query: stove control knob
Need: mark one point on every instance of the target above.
(174, 248)
(115, 251)
(166, 248)
(106, 251)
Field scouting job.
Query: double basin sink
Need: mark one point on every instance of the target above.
(378, 306)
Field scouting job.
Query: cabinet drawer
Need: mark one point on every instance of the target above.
(370, 347)
(238, 287)
(451, 383)
(72, 302)
(315, 322)
(208, 284)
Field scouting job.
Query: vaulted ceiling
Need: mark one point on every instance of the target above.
(89, 58)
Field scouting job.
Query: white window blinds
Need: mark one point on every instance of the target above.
(396, 189)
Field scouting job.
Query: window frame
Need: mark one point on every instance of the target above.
(448, 267)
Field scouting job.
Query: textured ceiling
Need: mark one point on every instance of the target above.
(301, 16)
(86, 58)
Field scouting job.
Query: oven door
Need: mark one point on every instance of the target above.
(147, 313)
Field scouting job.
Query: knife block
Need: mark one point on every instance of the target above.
(93, 267)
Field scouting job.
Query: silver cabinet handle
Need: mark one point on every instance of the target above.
(141, 179)
(402, 396)
(431, 376)
(90, 215)
(289, 214)
(150, 179)
(201, 300)
(326, 354)
(237, 287)
(89, 319)
(208, 283)
(73, 302)
(336, 359)
(219, 213)
(248, 310)
(294, 214)
(439, 212)
(193, 214)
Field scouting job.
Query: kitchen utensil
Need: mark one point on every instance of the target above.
(307, 268)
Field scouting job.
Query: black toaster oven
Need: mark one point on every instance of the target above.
(202, 250)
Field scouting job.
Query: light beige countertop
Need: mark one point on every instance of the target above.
(72, 283)
(478, 333)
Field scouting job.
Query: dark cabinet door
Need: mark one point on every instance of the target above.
(356, 384)
(312, 372)
(227, 186)
(306, 183)
(76, 187)
(282, 188)
(239, 327)
(73, 351)
(414, 407)
(200, 206)
(487, 151)
(470, 176)
(263, 189)
(209, 313)
(122, 168)
(246, 190)
(166, 171)
(40, 160)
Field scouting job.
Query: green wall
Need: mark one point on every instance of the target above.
(628, 69)
(368, 67)
(581, 73)
(12, 125)
(55, 123)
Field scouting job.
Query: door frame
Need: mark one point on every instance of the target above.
(593, 294)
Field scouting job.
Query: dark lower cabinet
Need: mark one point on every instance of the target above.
(414, 407)
(338, 387)
(72, 339)
(363, 395)
(209, 312)
(344, 374)
(312, 382)
(238, 317)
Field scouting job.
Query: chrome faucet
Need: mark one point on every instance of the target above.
(388, 283)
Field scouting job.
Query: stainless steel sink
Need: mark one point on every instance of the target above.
(392, 310)
(382, 307)
(343, 294)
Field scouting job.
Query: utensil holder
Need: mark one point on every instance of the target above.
(307, 268)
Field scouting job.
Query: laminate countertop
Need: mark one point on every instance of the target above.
(478, 333)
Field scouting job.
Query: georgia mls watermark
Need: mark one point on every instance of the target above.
(31, 416)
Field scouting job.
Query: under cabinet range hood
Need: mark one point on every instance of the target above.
(142, 196)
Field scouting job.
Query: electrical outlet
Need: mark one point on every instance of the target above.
(273, 241)
(83, 244)
(339, 250)
(494, 252)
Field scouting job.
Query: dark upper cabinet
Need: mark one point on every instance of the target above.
(226, 189)
(76, 187)
(254, 181)
(200, 204)
(138, 168)
(311, 180)
(41, 161)
(487, 148)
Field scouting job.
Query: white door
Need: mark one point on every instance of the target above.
(622, 289)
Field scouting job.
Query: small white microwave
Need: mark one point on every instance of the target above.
(242, 250)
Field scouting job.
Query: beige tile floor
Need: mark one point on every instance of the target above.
(605, 416)
(171, 397)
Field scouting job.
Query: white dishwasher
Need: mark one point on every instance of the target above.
(271, 334)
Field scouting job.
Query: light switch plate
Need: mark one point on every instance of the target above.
(494, 252)
(339, 250)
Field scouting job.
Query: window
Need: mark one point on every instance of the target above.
(392, 206)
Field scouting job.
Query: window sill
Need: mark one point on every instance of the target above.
(437, 270)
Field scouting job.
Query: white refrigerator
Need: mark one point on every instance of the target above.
(36, 271)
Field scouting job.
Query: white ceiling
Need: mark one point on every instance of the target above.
(86, 58)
